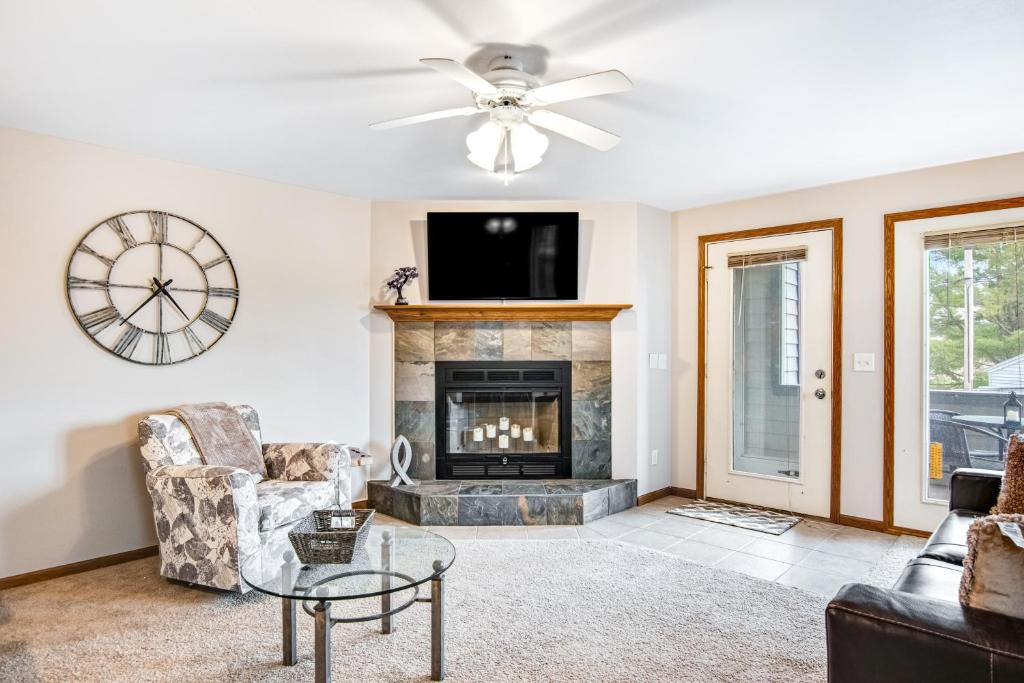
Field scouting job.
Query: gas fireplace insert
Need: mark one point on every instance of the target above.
(504, 419)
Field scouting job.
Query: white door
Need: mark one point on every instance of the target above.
(768, 384)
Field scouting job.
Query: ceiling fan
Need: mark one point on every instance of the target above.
(513, 100)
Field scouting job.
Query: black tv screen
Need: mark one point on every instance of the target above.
(502, 255)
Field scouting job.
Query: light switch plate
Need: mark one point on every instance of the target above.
(863, 362)
(652, 360)
(662, 361)
(654, 457)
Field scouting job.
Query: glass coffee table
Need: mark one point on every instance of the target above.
(393, 567)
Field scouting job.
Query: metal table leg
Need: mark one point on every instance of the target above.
(437, 625)
(322, 638)
(289, 646)
(322, 617)
(387, 556)
(289, 649)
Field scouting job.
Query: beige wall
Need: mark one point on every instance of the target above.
(611, 271)
(73, 483)
(862, 205)
(307, 352)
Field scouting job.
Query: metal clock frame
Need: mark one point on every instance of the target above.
(206, 295)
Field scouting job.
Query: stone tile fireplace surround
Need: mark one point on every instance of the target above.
(578, 335)
(587, 344)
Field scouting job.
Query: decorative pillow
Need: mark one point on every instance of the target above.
(1011, 493)
(993, 577)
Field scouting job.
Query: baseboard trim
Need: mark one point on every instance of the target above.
(863, 523)
(667, 491)
(908, 532)
(76, 567)
(651, 496)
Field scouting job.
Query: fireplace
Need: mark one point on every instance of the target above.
(503, 419)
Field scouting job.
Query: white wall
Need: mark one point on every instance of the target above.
(612, 257)
(861, 204)
(654, 335)
(73, 481)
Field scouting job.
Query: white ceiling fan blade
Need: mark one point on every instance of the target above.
(576, 130)
(602, 83)
(421, 118)
(460, 74)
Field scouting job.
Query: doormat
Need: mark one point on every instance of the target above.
(742, 516)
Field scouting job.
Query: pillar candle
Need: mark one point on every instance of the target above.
(503, 424)
(527, 433)
(478, 434)
(503, 441)
(492, 431)
(516, 431)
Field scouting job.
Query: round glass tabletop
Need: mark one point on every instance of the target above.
(393, 559)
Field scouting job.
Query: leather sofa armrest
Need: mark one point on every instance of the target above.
(884, 635)
(974, 489)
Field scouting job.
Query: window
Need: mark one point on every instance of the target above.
(789, 325)
(975, 349)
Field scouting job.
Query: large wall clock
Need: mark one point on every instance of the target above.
(152, 287)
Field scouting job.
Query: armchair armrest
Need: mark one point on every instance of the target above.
(884, 635)
(974, 489)
(311, 462)
(207, 522)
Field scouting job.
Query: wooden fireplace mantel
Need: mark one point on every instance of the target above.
(463, 312)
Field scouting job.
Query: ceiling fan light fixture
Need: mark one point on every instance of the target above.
(484, 144)
(528, 147)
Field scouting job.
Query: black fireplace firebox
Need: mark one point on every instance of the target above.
(503, 419)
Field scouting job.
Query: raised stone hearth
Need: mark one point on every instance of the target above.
(503, 502)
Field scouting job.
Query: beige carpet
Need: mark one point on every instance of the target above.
(517, 611)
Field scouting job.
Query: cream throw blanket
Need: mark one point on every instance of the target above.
(222, 437)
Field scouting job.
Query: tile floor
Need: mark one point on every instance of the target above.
(816, 556)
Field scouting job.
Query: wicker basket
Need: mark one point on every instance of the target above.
(317, 541)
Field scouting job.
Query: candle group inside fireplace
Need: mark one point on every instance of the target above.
(504, 435)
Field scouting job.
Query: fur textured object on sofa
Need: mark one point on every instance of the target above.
(1011, 494)
(993, 577)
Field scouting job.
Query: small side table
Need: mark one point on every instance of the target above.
(393, 567)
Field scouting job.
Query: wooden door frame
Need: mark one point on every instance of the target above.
(836, 226)
(889, 341)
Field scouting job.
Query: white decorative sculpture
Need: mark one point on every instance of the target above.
(400, 461)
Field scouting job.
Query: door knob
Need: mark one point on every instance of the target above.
(819, 393)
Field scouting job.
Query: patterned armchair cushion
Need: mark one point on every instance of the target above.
(283, 502)
(165, 440)
(311, 462)
(207, 518)
(305, 461)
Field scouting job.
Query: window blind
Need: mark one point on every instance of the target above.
(974, 238)
(766, 257)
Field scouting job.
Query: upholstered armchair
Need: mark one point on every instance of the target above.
(211, 521)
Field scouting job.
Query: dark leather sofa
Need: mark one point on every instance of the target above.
(918, 631)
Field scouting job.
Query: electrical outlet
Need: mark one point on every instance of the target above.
(863, 362)
(654, 457)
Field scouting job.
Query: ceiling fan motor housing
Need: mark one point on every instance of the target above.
(506, 73)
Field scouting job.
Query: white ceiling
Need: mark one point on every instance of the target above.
(732, 98)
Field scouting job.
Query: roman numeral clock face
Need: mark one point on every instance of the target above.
(152, 287)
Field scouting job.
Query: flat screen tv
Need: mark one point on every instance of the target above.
(502, 255)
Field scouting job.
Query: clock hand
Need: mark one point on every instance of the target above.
(161, 288)
(139, 307)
